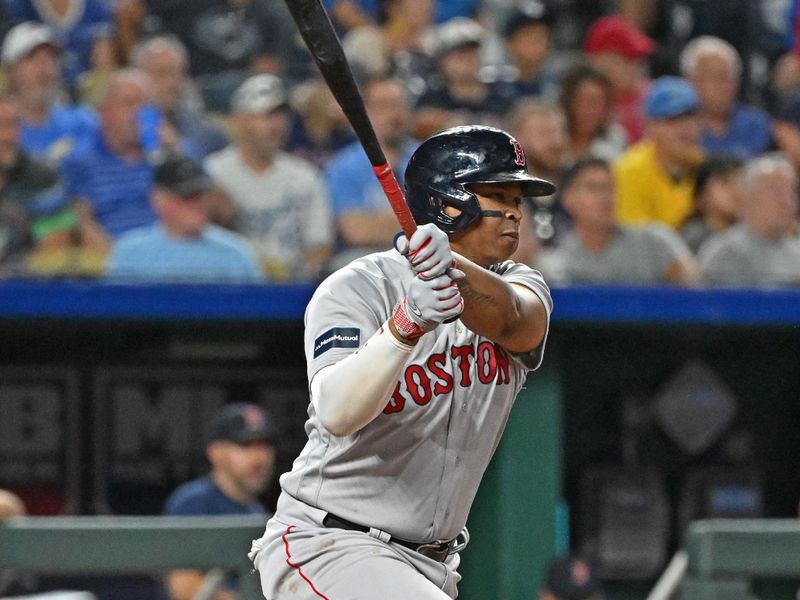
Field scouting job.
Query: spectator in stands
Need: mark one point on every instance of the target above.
(749, 27)
(165, 60)
(83, 29)
(619, 50)
(230, 40)
(110, 176)
(319, 127)
(33, 204)
(570, 578)
(182, 246)
(528, 42)
(405, 28)
(364, 220)
(405, 23)
(598, 249)
(714, 68)
(718, 196)
(763, 249)
(587, 100)
(542, 131)
(655, 177)
(280, 201)
(50, 128)
(369, 55)
(786, 127)
(457, 95)
(241, 452)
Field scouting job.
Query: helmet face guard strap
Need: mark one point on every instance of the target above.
(441, 169)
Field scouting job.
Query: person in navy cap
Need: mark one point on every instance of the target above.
(571, 578)
(241, 451)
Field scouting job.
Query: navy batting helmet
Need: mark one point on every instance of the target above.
(445, 164)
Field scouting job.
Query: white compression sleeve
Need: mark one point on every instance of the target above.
(351, 393)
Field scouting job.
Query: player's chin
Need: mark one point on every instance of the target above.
(508, 244)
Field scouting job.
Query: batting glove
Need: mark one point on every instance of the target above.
(428, 303)
(428, 251)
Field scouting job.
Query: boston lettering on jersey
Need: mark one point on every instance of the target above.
(488, 363)
(338, 337)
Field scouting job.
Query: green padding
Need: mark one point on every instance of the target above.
(734, 589)
(131, 545)
(513, 520)
(746, 548)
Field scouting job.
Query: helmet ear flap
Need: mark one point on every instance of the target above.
(428, 203)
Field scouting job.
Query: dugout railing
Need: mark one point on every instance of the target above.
(726, 555)
(132, 546)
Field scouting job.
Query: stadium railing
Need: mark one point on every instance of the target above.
(107, 545)
(723, 557)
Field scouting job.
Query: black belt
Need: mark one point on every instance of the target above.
(437, 551)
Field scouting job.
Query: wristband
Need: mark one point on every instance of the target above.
(407, 328)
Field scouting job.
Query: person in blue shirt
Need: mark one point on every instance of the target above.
(714, 68)
(49, 129)
(182, 246)
(109, 175)
(241, 452)
(364, 219)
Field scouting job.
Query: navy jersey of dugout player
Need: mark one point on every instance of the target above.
(241, 452)
(415, 357)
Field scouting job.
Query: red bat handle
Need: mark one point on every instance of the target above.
(395, 196)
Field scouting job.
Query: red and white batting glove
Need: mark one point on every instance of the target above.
(428, 251)
(428, 303)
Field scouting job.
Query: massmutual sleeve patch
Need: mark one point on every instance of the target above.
(338, 337)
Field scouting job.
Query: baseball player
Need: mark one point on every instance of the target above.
(415, 356)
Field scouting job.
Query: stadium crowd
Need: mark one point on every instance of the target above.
(194, 141)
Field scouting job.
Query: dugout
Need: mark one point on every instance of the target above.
(104, 390)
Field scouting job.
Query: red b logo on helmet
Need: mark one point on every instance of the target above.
(519, 153)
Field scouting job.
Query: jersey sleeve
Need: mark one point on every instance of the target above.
(344, 312)
(520, 274)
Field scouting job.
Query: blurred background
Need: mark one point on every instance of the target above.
(175, 179)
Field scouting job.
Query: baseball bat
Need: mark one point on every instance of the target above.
(317, 31)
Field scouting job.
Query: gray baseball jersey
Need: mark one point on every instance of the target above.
(414, 470)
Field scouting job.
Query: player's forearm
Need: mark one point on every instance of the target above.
(510, 315)
(351, 393)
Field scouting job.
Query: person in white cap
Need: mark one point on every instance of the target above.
(50, 128)
(456, 93)
(83, 28)
(280, 202)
